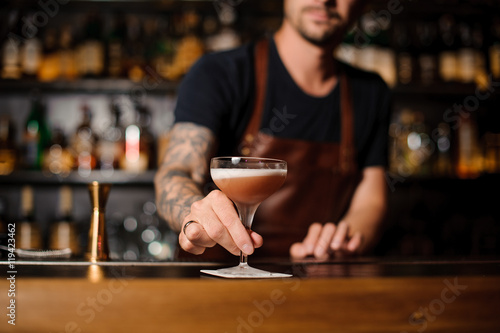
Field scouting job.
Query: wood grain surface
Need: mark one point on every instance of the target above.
(127, 304)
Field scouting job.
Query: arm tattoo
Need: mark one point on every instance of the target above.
(183, 172)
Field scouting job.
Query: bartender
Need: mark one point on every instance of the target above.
(284, 97)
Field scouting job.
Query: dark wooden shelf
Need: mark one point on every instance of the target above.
(157, 85)
(118, 177)
(152, 85)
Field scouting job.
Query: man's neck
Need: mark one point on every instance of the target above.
(312, 67)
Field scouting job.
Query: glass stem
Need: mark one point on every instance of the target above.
(246, 213)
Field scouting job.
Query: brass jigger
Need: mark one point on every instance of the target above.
(98, 240)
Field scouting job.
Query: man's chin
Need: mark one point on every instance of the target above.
(322, 41)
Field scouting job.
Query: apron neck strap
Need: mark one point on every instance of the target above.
(347, 147)
(261, 66)
(261, 60)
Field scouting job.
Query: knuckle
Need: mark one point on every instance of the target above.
(185, 244)
(197, 205)
(193, 233)
(216, 195)
(216, 232)
(230, 223)
(329, 226)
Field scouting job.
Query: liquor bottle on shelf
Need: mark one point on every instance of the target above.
(148, 142)
(189, 47)
(223, 36)
(494, 48)
(480, 74)
(442, 164)
(57, 158)
(49, 69)
(31, 55)
(163, 48)
(36, 136)
(111, 146)
(114, 47)
(411, 147)
(448, 54)
(426, 32)
(405, 61)
(134, 50)
(8, 156)
(466, 54)
(3, 218)
(90, 52)
(83, 142)
(139, 143)
(63, 232)
(28, 234)
(491, 152)
(67, 55)
(469, 162)
(11, 67)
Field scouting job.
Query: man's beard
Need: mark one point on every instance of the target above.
(327, 37)
(322, 40)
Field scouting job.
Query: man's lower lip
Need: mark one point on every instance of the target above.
(319, 16)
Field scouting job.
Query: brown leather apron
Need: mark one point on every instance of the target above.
(321, 179)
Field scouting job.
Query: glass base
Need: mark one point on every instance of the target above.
(243, 271)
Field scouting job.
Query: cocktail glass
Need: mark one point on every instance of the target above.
(247, 181)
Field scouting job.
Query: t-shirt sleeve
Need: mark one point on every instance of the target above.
(376, 151)
(205, 93)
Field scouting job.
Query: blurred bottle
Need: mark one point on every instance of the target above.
(469, 158)
(57, 158)
(11, 67)
(134, 50)
(148, 141)
(28, 234)
(90, 51)
(31, 55)
(111, 145)
(468, 58)
(63, 232)
(83, 142)
(411, 146)
(49, 69)
(36, 136)
(189, 47)
(426, 32)
(8, 156)
(448, 55)
(492, 152)
(163, 47)
(3, 216)
(405, 54)
(494, 48)
(67, 56)
(443, 166)
(139, 143)
(115, 49)
(223, 36)
(150, 34)
(374, 54)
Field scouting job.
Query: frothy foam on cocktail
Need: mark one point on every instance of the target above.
(221, 173)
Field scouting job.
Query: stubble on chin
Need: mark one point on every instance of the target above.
(324, 33)
(320, 38)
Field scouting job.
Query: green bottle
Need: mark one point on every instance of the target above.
(36, 136)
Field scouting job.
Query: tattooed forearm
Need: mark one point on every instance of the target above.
(183, 171)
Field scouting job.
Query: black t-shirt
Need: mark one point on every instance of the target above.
(218, 92)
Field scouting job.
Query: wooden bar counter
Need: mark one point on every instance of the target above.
(360, 295)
